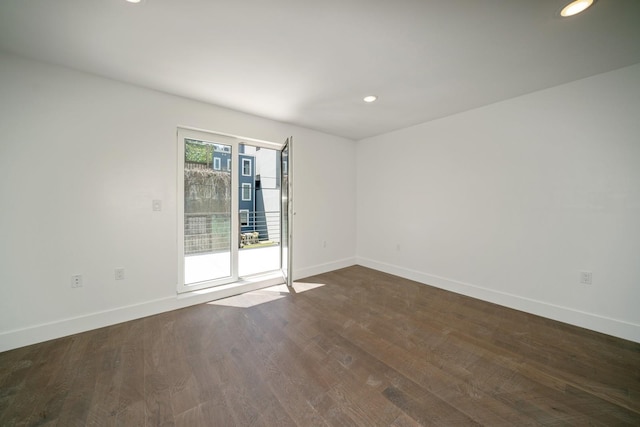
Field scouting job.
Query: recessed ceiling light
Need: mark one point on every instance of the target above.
(370, 98)
(575, 7)
(134, 1)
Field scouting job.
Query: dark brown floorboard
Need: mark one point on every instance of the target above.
(362, 349)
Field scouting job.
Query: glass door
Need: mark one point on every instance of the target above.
(259, 209)
(208, 220)
(236, 209)
(287, 213)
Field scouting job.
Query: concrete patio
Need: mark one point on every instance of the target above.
(210, 266)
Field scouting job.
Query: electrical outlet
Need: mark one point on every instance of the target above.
(156, 205)
(119, 273)
(586, 277)
(76, 281)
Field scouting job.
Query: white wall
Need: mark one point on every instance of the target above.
(81, 159)
(509, 202)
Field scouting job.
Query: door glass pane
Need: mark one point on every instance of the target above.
(259, 210)
(207, 211)
(284, 208)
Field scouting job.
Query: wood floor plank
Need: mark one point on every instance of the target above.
(434, 378)
(76, 405)
(355, 347)
(35, 371)
(293, 386)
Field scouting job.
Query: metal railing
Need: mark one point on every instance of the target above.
(206, 232)
(259, 228)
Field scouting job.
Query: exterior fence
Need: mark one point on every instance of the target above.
(208, 232)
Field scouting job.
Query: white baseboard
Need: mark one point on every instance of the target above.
(324, 268)
(61, 328)
(64, 327)
(594, 322)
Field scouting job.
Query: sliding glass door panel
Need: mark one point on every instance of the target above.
(207, 220)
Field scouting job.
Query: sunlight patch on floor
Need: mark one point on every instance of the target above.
(272, 293)
(249, 299)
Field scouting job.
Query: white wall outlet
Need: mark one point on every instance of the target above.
(76, 281)
(156, 205)
(586, 277)
(119, 273)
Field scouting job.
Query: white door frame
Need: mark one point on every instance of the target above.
(234, 142)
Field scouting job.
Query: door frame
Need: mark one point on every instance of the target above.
(233, 141)
(286, 206)
(215, 138)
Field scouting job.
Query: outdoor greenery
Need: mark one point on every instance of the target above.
(198, 152)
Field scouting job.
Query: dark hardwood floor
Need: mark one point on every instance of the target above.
(364, 348)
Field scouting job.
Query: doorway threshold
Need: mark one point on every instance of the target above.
(244, 284)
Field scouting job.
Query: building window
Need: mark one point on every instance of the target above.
(246, 192)
(246, 167)
(216, 163)
(228, 164)
(244, 217)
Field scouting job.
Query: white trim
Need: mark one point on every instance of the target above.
(605, 325)
(242, 139)
(246, 185)
(212, 138)
(181, 134)
(250, 167)
(219, 163)
(229, 164)
(43, 332)
(241, 211)
(47, 331)
(323, 268)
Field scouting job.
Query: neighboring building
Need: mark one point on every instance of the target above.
(247, 191)
(246, 185)
(268, 198)
(258, 190)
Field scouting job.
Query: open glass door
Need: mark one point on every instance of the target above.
(235, 210)
(287, 213)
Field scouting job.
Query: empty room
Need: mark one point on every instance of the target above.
(369, 213)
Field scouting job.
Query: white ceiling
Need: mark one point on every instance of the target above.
(310, 62)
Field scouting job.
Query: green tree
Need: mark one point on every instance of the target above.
(198, 152)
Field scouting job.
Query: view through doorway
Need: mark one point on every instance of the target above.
(232, 223)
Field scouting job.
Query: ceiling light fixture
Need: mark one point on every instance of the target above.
(134, 1)
(575, 7)
(370, 98)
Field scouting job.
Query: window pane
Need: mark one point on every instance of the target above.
(246, 192)
(246, 167)
(207, 212)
